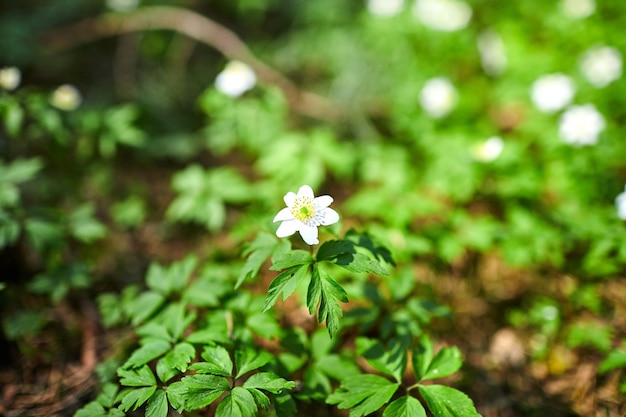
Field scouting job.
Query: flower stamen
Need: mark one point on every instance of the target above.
(303, 209)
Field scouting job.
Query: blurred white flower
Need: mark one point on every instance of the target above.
(552, 92)
(443, 15)
(10, 78)
(578, 9)
(489, 150)
(235, 79)
(385, 8)
(620, 202)
(601, 65)
(305, 213)
(66, 97)
(492, 52)
(438, 97)
(581, 125)
(122, 5)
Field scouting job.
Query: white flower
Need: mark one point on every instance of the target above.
(581, 125)
(122, 5)
(552, 92)
(304, 213)
(489, 150)
(443, 15)
(492, 52)
(438, 97)
(385, 8)
(601, 65)
(10, 78)
(578, 9)
(235, 79)
(66, 97)
(620, 202)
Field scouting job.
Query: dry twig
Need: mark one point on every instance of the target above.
(203, 30)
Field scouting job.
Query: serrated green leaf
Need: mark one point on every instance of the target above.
(176, 319)
(153, 331)
(363, 394)
(176, 394)
(257, 253)
(337, 367)
(446, 362)
(390, 359)
(261, 400)
(325, 291)
(284, 405)
(286, 283)
(217, 362)
(157, 405)
(206, 291)
(141, 377)
(116, 412)
(202, 390)
(329, 308)
(334, 248)
(444, 401)
(175, 361)
(315, 384)
(364, 240)
(149, 351)
(107, 397)
(264, 325)
(135, 397)
(178, 274)
(615, 359)
(144, 306)
(314, 292)
(111, 312)
(239, 403)
(289, 259)
(422, 356)
(215, 330)
(359, 262)
(269, 382)
(406, 406)
(171, 279)
(248, 359)
(92, 409)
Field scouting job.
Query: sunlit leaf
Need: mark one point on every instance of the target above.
(363, 394)
(447, 402)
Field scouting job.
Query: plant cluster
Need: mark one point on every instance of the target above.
(477, 141)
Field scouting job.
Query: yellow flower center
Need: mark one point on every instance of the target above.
(303, 209)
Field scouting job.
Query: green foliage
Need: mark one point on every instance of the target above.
(447, 402)
(145, 192)
(204, 194)
(363, 394)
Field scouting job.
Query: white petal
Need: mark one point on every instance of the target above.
(289, 198)
(322, 201)
(306, 191)
(330, 217)
(309, 235)
(284, 214)
(288, 228)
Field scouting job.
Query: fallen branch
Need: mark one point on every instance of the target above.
(203, 30)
